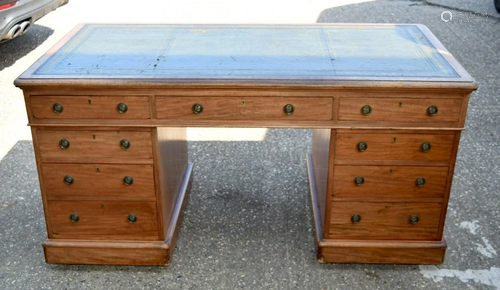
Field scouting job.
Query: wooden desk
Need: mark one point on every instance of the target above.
(109, 104)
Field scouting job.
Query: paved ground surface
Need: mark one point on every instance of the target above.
(248, 223)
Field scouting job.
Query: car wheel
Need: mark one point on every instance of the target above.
(497, 5)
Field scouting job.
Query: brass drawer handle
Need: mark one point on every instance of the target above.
(414, 219)
(288, 109)
(432, 110)
(128, 180)
(197, 108)
(425, 147)
(362, 146)
(64, 143)
(57, 108)
(125, 144)
(356, 218)
(68, 179)
(359, 180)
(74, 217)
(122, 108)
(366, 110)
(420, 181)
(132, 218)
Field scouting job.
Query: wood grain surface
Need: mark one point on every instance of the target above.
(103, 218)
(91, 107)
(384, 220)
(94, 144)
(394, 146)
(400, 109)
(389, 181)
(250, 108)
(99, 181)
(172, 161)
(90, 252)
(388, 252)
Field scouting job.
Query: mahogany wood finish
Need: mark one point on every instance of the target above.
(400, 109)
(99, 180)
(90, 107)
(319, 160)
(389, 252)
(83, 91)
(384, 220)
(103, 218)
(390, 181)
(90, 252)
(394, 146)
(94, 144)
(246, 108)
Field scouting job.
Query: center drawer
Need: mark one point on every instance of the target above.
(378, 220)
(115, 145)
(98, 180)
(100, 218)
(244, 108)
(370, 145)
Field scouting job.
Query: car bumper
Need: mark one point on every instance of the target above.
(31, 10)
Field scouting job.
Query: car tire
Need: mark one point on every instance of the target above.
(497, 5)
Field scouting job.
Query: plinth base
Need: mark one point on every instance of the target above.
(142, 253)
(370, 251)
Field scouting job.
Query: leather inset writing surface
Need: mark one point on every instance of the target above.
(249, 52)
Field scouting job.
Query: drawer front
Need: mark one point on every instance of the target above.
(95, 144)
(90, 107)
(106, 218)
(393, 146)
(389, 181)
(384, 220)
(99, 180)
(400, 109)
(239, 108)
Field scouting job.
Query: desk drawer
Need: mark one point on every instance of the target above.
(389, 181)
(94, 144)
(387, 146)
(240, 108)
(90, 107)
(106, 218)
(400, 109)
(98, 180)
(365, 220)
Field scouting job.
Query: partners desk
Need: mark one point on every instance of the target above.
(109, 105)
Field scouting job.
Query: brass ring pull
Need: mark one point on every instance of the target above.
(57, 108)
(414, 219)
(125, 144)
(64, 143)
(122, 108)
(197, 108)
(420, 181)
(366, 110)
(425, 147)
(355, 218)
(288, 109)
(132, 218)
(68, 179)
(359, 180)
(362, 146)
(128, 180)
(74, 217)
(432, 110)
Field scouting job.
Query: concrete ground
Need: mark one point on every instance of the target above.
(248, 222)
